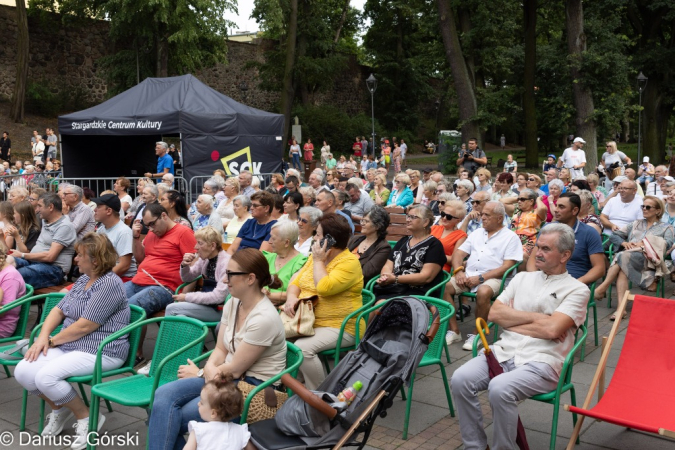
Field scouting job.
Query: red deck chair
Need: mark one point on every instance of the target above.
(639, 394)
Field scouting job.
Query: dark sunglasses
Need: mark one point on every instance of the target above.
(520, 199)
(477, 202)
(648, 207)
(441, 202)
(231, 274)
(448, 216)
(531, 179)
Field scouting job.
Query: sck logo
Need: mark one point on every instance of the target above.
(234, 163)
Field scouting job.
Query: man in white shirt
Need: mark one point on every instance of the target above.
(120, 236)
(622, 209)
(655, 187)
(404, 150)
(538, 313)
(574, 158)
(38, 149)
(491, 251)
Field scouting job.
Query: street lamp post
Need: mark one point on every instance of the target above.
(243, 87)
(642, 84)
(371, 82)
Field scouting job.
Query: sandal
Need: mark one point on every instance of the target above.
(139, 361)
(466, 310)
(613, 317)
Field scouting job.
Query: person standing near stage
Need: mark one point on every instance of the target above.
(164, 161)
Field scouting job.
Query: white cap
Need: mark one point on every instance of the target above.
(578, 139)
(645, 159)
(619, 179)
(667, 178)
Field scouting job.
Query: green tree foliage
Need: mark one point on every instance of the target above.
(157, 37)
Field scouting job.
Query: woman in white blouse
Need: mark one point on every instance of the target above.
(308, 221)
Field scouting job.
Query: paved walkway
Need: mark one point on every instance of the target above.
(431, 426)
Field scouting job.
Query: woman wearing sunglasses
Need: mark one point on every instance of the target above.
(416, 262)
(632, 264)
(526, 223)
(251, 345)
(448, 232)
(534, 183)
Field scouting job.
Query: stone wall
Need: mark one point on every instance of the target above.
(64, 57)
(61, 57)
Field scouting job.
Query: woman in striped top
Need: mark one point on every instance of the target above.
(94, 309)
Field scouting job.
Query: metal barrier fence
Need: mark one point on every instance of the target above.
(197, 183)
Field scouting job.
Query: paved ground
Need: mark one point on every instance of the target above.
(431, 426)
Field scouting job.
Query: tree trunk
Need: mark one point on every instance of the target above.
(287, 91)
(464, 17)
(22, 44)
(583, 97)
(655, 117)
(466, 96)
(162, 70)
(341, 24)
(530, 69)
(300, 80)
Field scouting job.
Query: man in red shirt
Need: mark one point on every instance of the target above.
(158, 257)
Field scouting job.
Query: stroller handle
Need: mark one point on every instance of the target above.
(435, 324)
(308, 396)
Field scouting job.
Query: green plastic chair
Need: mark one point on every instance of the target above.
(431, 357)
(24, 303)
(50, 300)
(437, 289)
(137, 314)
(392, 243)
(564, 383)
(472, 295)
(591, 304)
(367, 300)
(179, 338)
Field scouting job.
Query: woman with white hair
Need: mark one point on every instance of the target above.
(401, 195)
(308, 221)
(463, 190)
(205, 213)
(241, 205)
(225, 208)
(586, 213)
(555, 189)
(284, 260)
(210, 187)
(138, 201)
(430, 197)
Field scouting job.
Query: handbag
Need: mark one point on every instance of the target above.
(650, 253)
(265, 404)
(20, 346)
(302, 323)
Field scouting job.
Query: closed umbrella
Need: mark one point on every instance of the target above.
(495, 369)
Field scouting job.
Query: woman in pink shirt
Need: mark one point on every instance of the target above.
(12, 287)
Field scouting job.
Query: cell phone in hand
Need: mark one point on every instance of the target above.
(329, 241)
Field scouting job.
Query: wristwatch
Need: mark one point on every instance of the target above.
(200, 374)
(51, 342)
(481, 279)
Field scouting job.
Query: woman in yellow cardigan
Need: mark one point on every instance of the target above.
(334, 274)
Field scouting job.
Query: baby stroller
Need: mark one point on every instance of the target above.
(386, 357)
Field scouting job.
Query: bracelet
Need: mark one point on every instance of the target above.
(396, 279)
(458, 269)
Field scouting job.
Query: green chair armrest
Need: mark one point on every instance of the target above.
(271, 381)
(371, 283)
(15, 304)
(441, 285)
(182, 286)
(202, 357)
(506, 275)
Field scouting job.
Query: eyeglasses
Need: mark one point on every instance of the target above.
(521, 199)
(477, 202)
(648, 207)
(365, 222)
(303, 220)
(231, 274)
(151, 224)
(411, 217)
(31, 199)
(531, 179)
(448, 216)
(441, 202)
(255, 205)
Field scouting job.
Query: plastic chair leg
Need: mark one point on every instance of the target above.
(24, 404)
(84, 395)
(447, 390)
(447, 351)
(408, 404)
(109, 406)
(573, 400)
(7, 372)
(93, 418)
(554, 425)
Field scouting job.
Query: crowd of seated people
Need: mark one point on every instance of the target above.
(258, 252)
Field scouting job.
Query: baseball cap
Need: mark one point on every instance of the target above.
(619, 179)
(578, 139)
(551, 156)
(109, 200)
(645, 159)
(667, 178)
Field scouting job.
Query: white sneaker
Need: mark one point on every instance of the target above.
(452, 337)
(145, 370)
(81, 431)
(56, 422)
(468, 344)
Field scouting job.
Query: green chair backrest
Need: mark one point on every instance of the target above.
(137, 314)
(24, 312)
(174, 333)
(446, 310)
(293, 355)
(51, 300)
